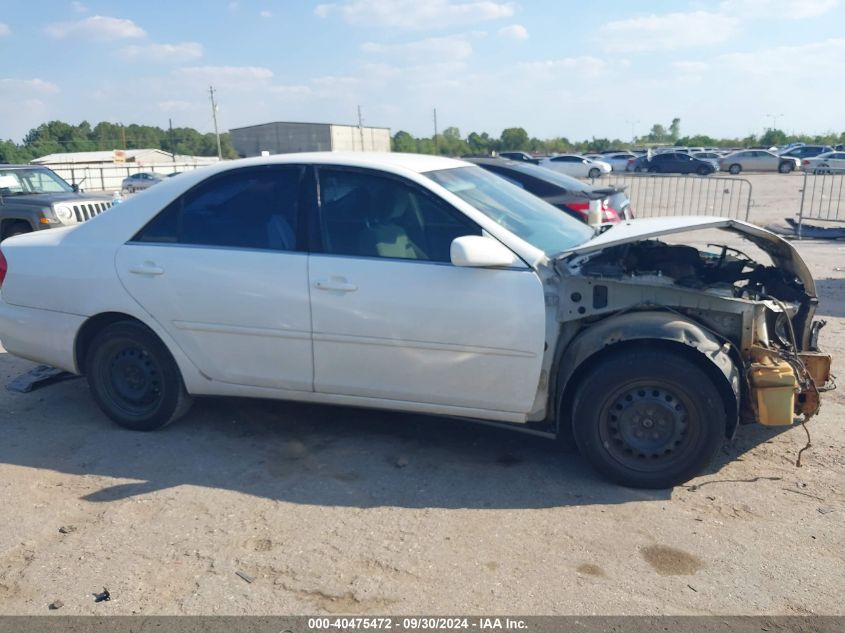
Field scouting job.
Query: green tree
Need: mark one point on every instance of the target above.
(404, 142)
(773, 137)
(675, 129)
(514, 138)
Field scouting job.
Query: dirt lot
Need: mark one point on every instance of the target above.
(354, 511)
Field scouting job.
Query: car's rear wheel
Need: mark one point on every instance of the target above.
(134, 379)
(735, 169)
(594, 173)
(652, 419)
(785, 167)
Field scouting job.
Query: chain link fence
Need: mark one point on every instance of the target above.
(110, 177)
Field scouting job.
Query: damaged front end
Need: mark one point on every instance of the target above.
(754, 321)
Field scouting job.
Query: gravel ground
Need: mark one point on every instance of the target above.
(342, 510)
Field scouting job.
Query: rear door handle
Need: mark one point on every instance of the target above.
(340, 285)
(147, 268)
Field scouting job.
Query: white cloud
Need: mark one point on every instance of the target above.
(818, 59)
(668, 31)
(416, 14)
(78, 7)
(514, 32)
(586, 65)
(690, 67)
(265, 14)
(183, 52)
(423, 51)
(778, 9)
(234, 6)
(226, 76)
(175, 105)
(97, 27)
(4, 29)
(27, 85)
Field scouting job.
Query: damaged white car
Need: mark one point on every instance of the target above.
(423, 284)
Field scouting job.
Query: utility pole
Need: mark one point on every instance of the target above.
(214, 115)
(435, 130)
(774, 118)
(123, 135)
(361, 127)
(172, 144)
(633, 135)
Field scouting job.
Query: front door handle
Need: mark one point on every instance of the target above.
(147, 268)
(336, 284)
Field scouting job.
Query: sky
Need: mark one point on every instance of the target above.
(610, 68)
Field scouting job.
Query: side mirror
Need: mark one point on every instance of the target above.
(475, 251)
(75, 188)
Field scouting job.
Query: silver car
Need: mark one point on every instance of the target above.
(756, 160)
(139, 181)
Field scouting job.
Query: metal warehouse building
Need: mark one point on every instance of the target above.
(284, 138)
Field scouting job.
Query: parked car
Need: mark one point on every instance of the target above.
(576, 166)
(140, 181)
(568, 194)
(618, 161)
(709, 157)
(824, 163)
(806, 151)
(425, 284)
(520, 156)
(678, 163)
(34, 198)
(639, 164)
(757, 160)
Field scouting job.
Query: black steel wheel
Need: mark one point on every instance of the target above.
(134, 379)
(648, 419)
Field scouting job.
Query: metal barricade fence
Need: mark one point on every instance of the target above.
(822, 196)
(110, 177)
(660, 195)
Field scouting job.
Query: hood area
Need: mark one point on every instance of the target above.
(783, 254)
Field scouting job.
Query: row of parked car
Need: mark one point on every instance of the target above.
(701, 161)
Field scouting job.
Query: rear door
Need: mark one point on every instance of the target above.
(223, 269)
(393, 319)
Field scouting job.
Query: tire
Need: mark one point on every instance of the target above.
(594, 173)
(18, 228)
(735, 169)
(703, 171)
(648, 419)
(785, 167)
(653, 170)
(134, 379)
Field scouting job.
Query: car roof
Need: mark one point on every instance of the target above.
(17, 166)
(419, 163)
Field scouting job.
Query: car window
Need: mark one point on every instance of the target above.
(243, 208)
(369, 215)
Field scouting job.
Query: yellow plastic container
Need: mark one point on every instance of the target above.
(774, 385)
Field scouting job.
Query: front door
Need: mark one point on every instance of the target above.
(393, 319)
(223, 271)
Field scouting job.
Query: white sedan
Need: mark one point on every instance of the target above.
(413, 283)
(576, 166)
(824, 163)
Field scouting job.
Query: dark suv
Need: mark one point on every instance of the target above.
(807, 151)
(34, 198)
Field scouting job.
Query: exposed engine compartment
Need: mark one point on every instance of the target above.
(728, 270)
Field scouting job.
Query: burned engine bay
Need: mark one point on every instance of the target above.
(727, 270)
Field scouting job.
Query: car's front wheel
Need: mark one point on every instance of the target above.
(785, 167)
(651, 419)
(594, 173)
(134, 379)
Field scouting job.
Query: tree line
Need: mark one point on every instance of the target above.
(451, 143)
(57, 137)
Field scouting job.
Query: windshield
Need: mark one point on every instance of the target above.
(523, 214)
(21, 182)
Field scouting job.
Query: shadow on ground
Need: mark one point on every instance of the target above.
(831, 293)
(311, 454)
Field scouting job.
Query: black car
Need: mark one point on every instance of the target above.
(523, 157)
(564, 192)
(34, 198)
(677, 163)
